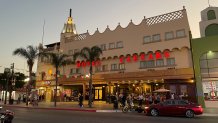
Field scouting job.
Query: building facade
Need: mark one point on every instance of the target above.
(205, 54)
(136, 59)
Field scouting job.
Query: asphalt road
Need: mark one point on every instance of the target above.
(57, 116)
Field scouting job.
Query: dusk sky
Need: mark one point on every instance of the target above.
(21, 21)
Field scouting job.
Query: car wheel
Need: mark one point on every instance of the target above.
(154, 112)
(189, 114)
(125, 109)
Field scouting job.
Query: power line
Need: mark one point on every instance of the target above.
(16, 68)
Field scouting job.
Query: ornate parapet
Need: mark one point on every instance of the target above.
(165, 17)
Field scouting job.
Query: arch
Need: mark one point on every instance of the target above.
(121, 56)
(109, 57)
(211, 29)
(115, 57)
(103, 58)
(150, 52)
(175, 49)
(128, 55)
(184, 48)
(158, 51)
(211, 15)
(158, 54)
(134, 54)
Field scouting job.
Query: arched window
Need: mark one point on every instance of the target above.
(211, 29)
(211, 15)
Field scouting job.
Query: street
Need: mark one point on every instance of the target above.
(23, 115)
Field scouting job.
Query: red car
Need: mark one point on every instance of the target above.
(174, 107)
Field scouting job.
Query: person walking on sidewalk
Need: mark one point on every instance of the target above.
(80, 100)
(18, 99)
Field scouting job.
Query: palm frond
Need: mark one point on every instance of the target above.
(33, 51)
(76, 56)
(57, 60)
(95, 52)
(67, 62)
(21, 52)
(85, 53)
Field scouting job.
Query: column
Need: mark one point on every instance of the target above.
(84, 90)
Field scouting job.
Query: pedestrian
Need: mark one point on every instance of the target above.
(35, 100)
(19, 98)
(130, 100)
(140, 98)
(80, 100)
(158, 99)
(123, 100)
(172, 96)
(150, 100)
(24, 98)
(115, 101)
(65, 97)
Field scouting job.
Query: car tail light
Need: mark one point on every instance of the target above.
(146, 107)
(198, 106)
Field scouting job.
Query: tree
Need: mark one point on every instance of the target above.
(91, 55)
(57, 60)
(3, 81)
(31, 53)
(19, 80)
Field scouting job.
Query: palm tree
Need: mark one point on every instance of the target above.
(57, 60)
(31, 53)
(89, 54)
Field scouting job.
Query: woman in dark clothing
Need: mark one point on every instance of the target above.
(80, 100)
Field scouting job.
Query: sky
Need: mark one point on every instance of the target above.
(21, 21)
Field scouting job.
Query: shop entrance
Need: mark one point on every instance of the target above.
(98, 93)
(209, 73)
(48, 94)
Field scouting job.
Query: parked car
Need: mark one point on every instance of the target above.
(174, 108)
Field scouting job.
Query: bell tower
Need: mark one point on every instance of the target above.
(209, 22)
(69, 27)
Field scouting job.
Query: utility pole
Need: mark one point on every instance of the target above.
(7, 72)
(11, 82)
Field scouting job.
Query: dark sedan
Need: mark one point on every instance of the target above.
(174, 108)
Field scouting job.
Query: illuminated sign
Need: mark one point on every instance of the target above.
(135, 57)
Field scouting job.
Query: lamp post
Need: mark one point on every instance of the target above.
(7, 72)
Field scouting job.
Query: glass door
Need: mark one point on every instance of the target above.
(98, 93)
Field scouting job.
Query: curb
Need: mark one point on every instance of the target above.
(209, 114)
(108, 111)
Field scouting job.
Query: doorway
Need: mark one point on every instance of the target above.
(98, 93)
